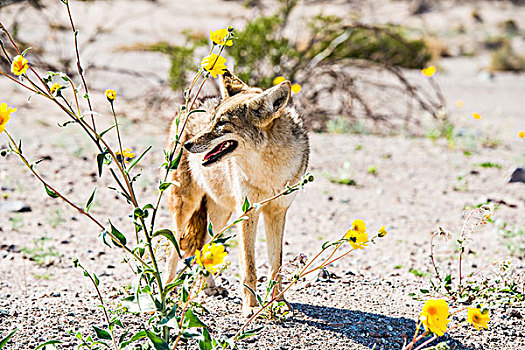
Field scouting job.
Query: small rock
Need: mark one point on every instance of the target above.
(518, 175)
(14, 207)
(323, 275)
(216, 291)
(515, 314)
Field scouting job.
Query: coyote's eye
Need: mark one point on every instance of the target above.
(221, 122)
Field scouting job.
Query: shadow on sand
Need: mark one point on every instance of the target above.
(368, 329)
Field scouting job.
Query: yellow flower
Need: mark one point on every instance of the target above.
(209, 61)
(521, 134)
(477, 116)
(5, 114)
(357, 236)
(429, 71)
(111, 95)
(296, 88)
(278, 80)
(459, 103)
(477, 318)
(211, 256)
(382, 232)
(19, 65)
(435, 316)
(126, 153)
(55, 87)
(219, 36)
(359, 226)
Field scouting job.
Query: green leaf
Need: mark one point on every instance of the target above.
(4, 341)
(50, 192)
(164, 185)
(121, 339)
(171, 320)
(210, 229)
(206, 343)
(174, 164)
(25, 51)
(196, 111)
(259, 300)
(118, 235)
(102, 333)
(95, 278)
(249, 333)
(170, 236)
(135, 162)
(100, 162)
(191, 335)
(116, 321)
(63, 125)
(103, 235)
(173, 285)
(49, 342)
(157, 341)
(139, 335)
(223, 240)
(238, 220)
(105, 131)
(245, 205)
(192, 321)
(90, 200)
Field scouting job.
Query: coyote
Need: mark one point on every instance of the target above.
(248, 143)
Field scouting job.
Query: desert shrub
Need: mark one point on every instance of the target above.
(473, 294)
(335, 62)
(506, 59)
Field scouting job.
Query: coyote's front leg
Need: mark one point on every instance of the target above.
(247, 260)
(274, 221)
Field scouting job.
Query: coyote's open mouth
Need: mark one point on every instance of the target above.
(219, 151)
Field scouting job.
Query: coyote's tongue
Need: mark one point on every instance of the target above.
(216, 150)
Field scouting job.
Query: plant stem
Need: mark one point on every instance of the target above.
(18, 82)
(415, 340)
(80, 210)
(102, 305)
(432, 257)
(79, 66)
(185, 307)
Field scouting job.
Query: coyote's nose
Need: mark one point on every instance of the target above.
(188, 145)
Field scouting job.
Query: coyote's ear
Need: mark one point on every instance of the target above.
(268, 105)
(231, 85)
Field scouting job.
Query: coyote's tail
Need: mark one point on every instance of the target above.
(194, 235)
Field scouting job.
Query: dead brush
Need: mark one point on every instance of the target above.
(496, 283)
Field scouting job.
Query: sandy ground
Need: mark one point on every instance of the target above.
(420, 184)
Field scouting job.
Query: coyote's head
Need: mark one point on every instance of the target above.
(241, 121)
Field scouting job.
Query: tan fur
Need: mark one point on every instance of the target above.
(272, 151)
